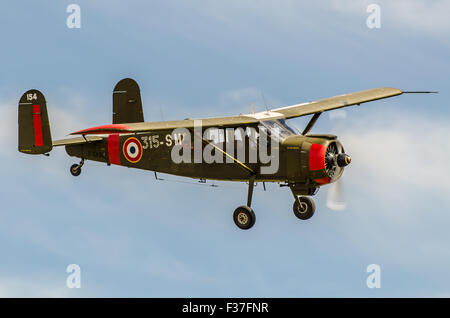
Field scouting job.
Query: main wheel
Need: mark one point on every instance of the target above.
(305, 209)
(75, 170)
(244, 217)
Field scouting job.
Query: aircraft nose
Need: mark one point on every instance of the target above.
(343, 160)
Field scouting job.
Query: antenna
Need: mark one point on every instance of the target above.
(264, 99)
(251, 109)
(419, 92)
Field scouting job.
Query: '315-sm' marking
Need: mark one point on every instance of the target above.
(149, 142)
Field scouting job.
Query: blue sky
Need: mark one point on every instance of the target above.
(135, 236)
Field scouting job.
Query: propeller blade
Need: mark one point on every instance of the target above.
(335, 198)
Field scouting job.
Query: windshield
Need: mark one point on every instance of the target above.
(278, 128)
(289, 127)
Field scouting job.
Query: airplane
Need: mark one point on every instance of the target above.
(306, 161)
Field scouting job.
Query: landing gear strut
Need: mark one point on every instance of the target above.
(75, 169)
(243, 216)
(304, 207)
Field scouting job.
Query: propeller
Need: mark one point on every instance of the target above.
(335, 197)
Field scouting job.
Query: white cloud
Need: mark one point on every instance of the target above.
(397, 187)
(292, 16)
(410, 152)
(8, 125)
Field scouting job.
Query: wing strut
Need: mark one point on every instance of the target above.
(311, 123)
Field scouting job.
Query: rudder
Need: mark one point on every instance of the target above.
(34, 127)
(127, 105)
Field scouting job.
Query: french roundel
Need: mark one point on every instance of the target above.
(132, 150)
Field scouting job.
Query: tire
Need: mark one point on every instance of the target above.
(305, 209)
(75, 170)
(244, 217)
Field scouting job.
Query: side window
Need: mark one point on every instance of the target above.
(214, 134)
(238, 134)
(232, 134)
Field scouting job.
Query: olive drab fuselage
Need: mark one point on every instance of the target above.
(297, 164)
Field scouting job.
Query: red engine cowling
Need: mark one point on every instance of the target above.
(327, 160)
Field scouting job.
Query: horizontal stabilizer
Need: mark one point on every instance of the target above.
(76, 141)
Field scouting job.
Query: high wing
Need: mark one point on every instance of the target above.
(338, 102)
(315, 107)
(231, 121)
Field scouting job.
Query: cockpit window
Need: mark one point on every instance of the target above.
(278, 128)
(289, 127)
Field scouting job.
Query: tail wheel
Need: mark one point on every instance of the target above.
(244, 217)
(304, 208)
(75, 170)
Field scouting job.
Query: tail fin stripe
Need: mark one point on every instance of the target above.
(38, 141)
(114, 149)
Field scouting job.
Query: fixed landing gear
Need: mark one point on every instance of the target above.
(243, 216)
(75, 169)
(304, 207)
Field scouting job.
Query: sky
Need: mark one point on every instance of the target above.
(134, 236)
